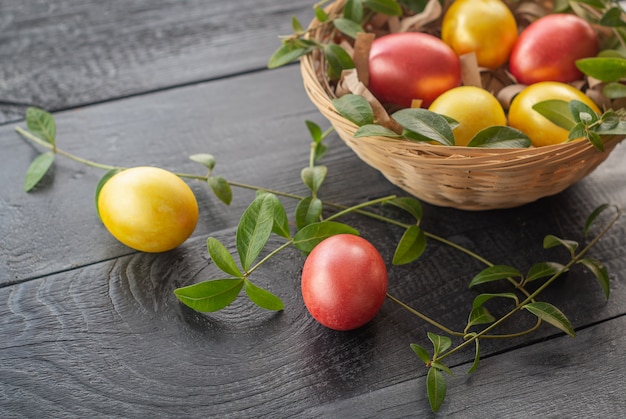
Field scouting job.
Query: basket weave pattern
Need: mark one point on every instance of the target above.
(461, 177)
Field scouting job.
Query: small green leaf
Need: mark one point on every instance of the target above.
(209, 296)
(543, 270)
(355, 109)
(289, 52)
(592, 218)
(348, 27)
(221, 188)
(353, 10)
(296, 25)
(579, 130)
(552, 315)
(104, 179)
(425, 124)
(308, 211)
(320, 14)
(338, 60)
(222, 257)
(254, 229)
(41, 124)
(421, 353)
(410, 247)
(311, 235)
(315, 131)
(281, 222)
(614, 90)
(319, 152)
(440, 343)
(313, 177)
(500, 137)
(557, 111)
(262, 297)
(600, 272)
(582, 112)
(479, 315)
(595, 140)
(386, 7)
(495, 273)
(551, 241)
(410, 205)
(476, 357)
(605, 69)
(481, 299)
(613, 18)
(207, 160)
(435, 388)
(375, 130)
(38, 169)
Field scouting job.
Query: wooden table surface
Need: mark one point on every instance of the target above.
(91, 328)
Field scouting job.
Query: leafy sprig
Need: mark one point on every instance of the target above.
(315, 220)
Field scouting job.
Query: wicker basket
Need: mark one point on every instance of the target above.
(460, 177)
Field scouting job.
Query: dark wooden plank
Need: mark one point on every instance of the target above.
(579, 378)
(113, 340)
(73, 52)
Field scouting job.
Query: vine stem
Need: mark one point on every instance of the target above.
(538, 291)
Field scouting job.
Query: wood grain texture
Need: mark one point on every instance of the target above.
(69, 53)
(110, 339)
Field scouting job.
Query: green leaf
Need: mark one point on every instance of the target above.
(353, 10)
(476, 357)
(500, 137)
(592, 217)
(595, 140)
(41, 124)
(436, 388)
(207, 160)
(577, 131)
(408, 204)
(311, 235)
(320, 14)
(375, 130)
(552, 315)
(605, 69)
(222, 257)
(543, 270)
(411, 246)
(614, 90)
(386, 7)
(221, 188)
(600, 272)
(38, 169)
(426, 124)
(348, 27)
(421, 353)
(104, 179)
(338, 60)
(315, 131)
(313, 177)
(254, 229)
(481, 299)
(281, 222)
(355, 109)
(551, 241)
(289, 52)
(209, 296)
(296, 25)
(262, 297)
(319, 152)
(479, 315)
(557, 111)
(440, 343)
(612, 18)
(308, 211)
(495, 273)
(582, 112)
